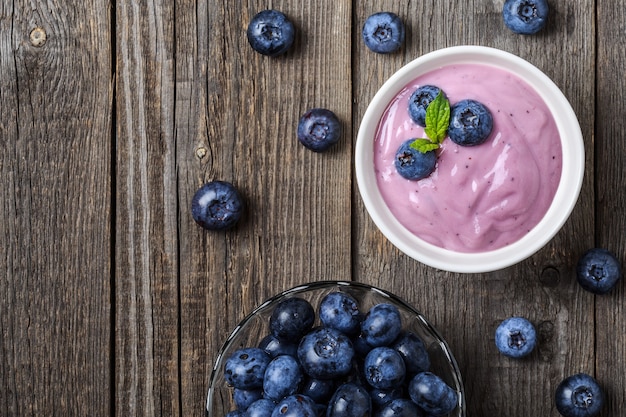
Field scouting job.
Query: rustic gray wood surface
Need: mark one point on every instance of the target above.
(113, 302)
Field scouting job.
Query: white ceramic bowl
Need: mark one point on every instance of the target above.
(255, 326)
(568, 188)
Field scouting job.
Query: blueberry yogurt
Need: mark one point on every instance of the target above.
(487, 190)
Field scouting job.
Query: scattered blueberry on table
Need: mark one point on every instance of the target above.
(525, 17)
(319, 129)
(516, 337)
(383, 32)
(598, 271)
(270, 33)
(579, 395)
(217, 205)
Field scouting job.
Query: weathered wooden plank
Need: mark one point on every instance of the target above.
(610, 177)
(146, 238)
(467, 308)
(241, 127)
(55, 250)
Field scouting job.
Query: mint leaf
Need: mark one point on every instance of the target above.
(437, 118)
(424, 145)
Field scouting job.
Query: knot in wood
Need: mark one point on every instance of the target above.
(550, 277)
(201, 153)
(38, 37)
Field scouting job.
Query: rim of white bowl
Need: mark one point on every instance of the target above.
(566, 195)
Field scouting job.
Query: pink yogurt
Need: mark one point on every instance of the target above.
(478, 198)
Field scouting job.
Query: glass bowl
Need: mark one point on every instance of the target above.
(567, 191)
(255, 326)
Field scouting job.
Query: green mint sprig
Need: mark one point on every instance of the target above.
(437, 120)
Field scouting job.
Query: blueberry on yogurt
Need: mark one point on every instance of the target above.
(470, 123)
(419, 101)
(270, 33)
(525, 17)
(413, 164)
(383, 32)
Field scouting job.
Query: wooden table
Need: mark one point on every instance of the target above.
(114, 302)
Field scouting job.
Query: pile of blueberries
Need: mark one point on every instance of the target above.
(352, 364)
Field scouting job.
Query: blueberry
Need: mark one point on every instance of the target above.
(245, 368)
(598, 271)
(295, 406)
(381, 397)
(525, 17)
(413, 164)
(516, 337)
(383, 32)
(419, 101)
(274, 346)
(579, 395)
(470, 123)
(319, 129)
(350, 400)
(384, 368)
(319, 390)
(341, 311)
(412, 349)
(361, 347)
(261, 408)
(217, 205)
(291, 319)
(283, 377)
(235, 413)
(432, 394)
(400, 407)
(244, 397)
(326, 353)
(382, 325)
(270, 33)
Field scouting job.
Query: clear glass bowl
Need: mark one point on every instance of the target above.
(256, 326)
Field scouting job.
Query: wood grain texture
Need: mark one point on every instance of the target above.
(610, 181)
(467, 308)
(146, 238)
(55, 215)
(241, 128)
